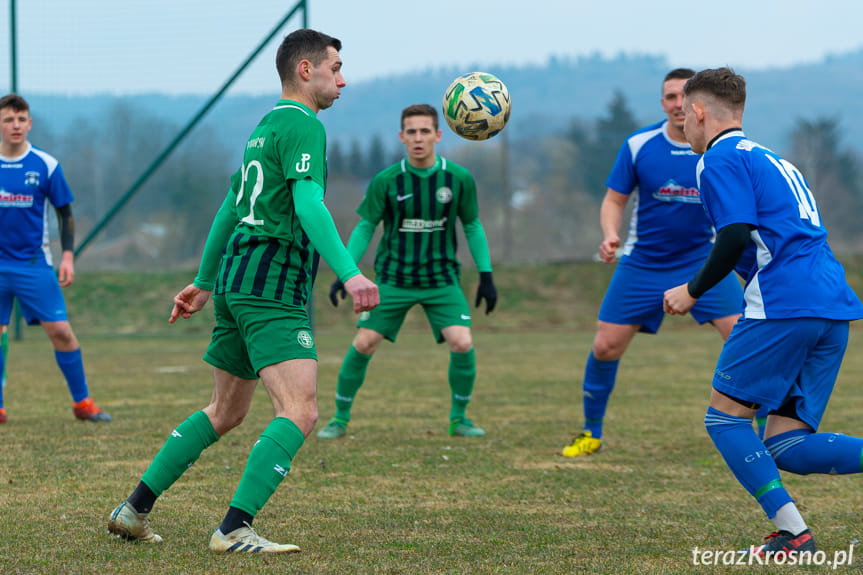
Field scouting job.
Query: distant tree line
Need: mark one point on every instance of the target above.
(539, 197)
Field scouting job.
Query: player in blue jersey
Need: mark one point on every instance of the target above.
(30, 181)
(669, 237)
(786, 350)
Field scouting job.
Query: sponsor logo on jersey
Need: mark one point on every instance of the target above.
(303, 165)
(671, 191)
(8, 200)
(444, 195)
(403, 198)
(304, 338)
(31, 179)
(683, 153)
(255, 143)
(11, 166)
(465, 317)
(423, 226)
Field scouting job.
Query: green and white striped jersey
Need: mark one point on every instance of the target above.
(268, 254)
(419, 208)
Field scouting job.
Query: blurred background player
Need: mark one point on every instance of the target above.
(30, 181)
(260, 258)
(669, 237)
(418, 199)
(785, 352)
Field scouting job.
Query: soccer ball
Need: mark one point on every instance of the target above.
(476, 106)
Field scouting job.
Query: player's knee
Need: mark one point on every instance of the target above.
(305, 418)
(366, 342)
(365, 348)
(61, 335)
(607, 350)
(461, 345)
(719, 423)
(223, 423)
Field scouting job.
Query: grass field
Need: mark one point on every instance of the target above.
(399, 495)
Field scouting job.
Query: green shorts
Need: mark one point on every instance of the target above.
(252, 333)
(443, 307)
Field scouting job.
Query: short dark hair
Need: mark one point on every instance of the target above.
(420, 110)
(679, 74)
(302, 44)
(722, 83)
(15, 102)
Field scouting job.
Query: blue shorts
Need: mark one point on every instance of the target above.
(776, 361)
(635, 294)
(38, 292)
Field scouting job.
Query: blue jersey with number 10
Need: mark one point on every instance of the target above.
(795, 272)
(27, 184)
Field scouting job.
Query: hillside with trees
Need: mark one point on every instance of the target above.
(540, 182)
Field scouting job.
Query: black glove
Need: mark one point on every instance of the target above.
(337, 287)
(487, 291)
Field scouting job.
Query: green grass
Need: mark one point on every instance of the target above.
(398, 495)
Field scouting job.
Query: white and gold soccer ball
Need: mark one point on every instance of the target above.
(476, 106)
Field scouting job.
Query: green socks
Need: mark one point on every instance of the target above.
(462, 374)
(351, 377)
(180, 451)
(269, 462)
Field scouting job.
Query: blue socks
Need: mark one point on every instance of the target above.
(748, 459)
(802, 451)
(72, 366)
(599, 379)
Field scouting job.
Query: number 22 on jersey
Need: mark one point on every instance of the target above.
(256, 191)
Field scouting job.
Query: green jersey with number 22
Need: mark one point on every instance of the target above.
(268, 254)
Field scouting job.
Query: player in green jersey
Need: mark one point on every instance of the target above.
(259, 260)
(418, 200)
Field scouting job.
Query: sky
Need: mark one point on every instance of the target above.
(79, 47)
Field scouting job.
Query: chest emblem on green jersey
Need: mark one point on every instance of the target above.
(303, 165)
(304, 338)
(444, 195)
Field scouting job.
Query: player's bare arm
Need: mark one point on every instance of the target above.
(610, 220)
(190, 300)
